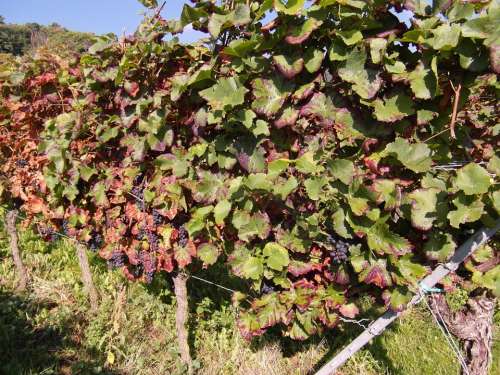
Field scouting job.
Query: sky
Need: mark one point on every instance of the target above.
(97, 16)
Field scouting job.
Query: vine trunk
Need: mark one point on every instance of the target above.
(181, 318)
(87, 276)
(473, 326)
(14, 246)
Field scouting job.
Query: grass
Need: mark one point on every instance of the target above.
(51, 330)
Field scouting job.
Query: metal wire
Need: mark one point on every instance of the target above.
(358, 322)
(214, 284)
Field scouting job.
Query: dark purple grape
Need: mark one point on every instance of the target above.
(21, 163)
(138, 193)
(138, 179)
(65, 227)
(157, 217)
(267, 288)
(117, 259)
(152, 239)
(183, 236)
(148, 262)
(340, 251)
(137, 270)
(95, 241)
(142, 234)
(148, 277)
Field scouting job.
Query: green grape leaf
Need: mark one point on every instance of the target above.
(300, 34)
(440, 246)
(446, 37)
(416, 157)
(221, 211)
(342, 169)
(251, 226)
(468, 210)
(382, 240)
(393, 107)
(270, 95)
(423, 207)
(291, 7)
(226, 93)
(473, 179)
(366, 82)
(313, 58)
(289, 65)
(276, 256)
(208, 253)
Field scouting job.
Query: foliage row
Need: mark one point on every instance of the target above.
(319, 155)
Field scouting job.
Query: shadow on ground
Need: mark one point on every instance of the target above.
(28, 347)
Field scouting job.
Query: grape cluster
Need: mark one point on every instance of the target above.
(95, 241)
(138, 179)
(137, 270)
(267, 288)
(65, 227)
(47, 233)
(152, 240)
(138, 193)
(117, 260)
(340, 249)
(142, 234)
(157, 217)
(149, 266)
(21, 163)
(183, 236)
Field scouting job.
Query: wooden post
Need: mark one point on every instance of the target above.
(181, 318)
(378, 326)
(88, 283)
(10, 221)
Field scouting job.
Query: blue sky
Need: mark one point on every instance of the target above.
(97, 16)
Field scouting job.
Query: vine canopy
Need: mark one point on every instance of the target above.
(323, 151)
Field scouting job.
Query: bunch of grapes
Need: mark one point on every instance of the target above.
(148, 263)
(65, 227)
(142, 234)
(95, 241)
(183, 236)
(266, 288)
(157, 217)
(340, 249)
(47, 233)
(138, 179)
(21, 163)
(137, 270)
(117, 260)
(152, 240)
(138, 193)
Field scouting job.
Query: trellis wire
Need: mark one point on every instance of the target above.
(378, 326)
(454, 165)
(214, 284)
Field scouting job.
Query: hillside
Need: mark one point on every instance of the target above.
(19, 39)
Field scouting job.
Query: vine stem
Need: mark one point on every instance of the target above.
(10, 221)
(88, 283)
(181, 318)
(455, 108)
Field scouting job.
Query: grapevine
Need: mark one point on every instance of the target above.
(244, 151)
